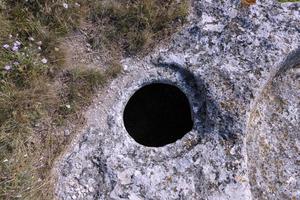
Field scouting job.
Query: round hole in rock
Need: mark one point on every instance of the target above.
(158, 114)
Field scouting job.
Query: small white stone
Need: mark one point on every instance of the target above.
(124, 177)
(44, 61)
(68, 106)
(77, 4)
(39, 43)
(31, 38)
(5, 160)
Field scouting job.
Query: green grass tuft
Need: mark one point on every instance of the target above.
(38, 94)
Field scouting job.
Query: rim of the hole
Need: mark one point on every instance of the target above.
(184, 90)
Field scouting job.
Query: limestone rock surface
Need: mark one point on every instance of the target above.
(240, 68)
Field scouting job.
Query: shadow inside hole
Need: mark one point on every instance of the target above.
(158, 114)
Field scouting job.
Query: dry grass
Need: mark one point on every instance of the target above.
(38, 94)
(134, 26)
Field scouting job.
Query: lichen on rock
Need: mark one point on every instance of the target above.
(238, 67)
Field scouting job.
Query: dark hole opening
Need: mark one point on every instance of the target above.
(158, 114)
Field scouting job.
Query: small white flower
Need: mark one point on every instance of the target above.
(10, 36)
(39, 48)
(44, 61)
(77, 4)
(15, 48)
(5, 160)
(39, 43)
(17, 43)
(16, 63)
(7, 67)
(31, 38)
(68, 106)
(66, 6)
(6, 46)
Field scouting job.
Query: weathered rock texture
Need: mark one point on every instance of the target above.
(240, 69)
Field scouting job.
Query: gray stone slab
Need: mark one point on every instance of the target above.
(240, 70)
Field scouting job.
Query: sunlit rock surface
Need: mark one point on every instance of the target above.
(239, 67)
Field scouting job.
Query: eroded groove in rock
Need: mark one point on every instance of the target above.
(273, 138)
